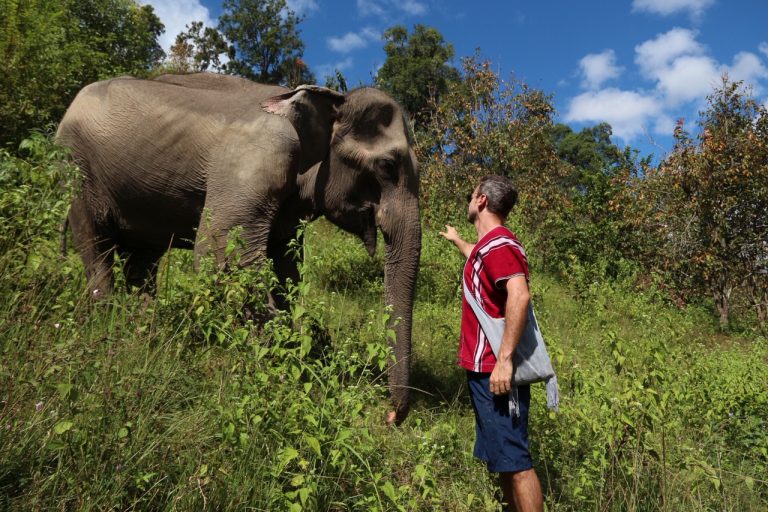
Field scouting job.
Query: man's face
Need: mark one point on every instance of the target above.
(472, 208)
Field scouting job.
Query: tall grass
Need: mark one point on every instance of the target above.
(184, 402)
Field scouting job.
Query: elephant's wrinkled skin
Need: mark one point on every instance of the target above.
(155, 153)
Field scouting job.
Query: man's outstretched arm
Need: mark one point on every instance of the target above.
(451, 235)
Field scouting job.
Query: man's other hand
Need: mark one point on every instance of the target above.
(501, 377)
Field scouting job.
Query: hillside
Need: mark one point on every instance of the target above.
(181, 402)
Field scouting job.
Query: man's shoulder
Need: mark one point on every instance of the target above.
(498, 237)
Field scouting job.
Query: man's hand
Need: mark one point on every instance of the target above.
(501, 377)
(450, 234)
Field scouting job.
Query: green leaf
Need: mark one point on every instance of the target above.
(62, 426)
(314, 444)
(389, 491)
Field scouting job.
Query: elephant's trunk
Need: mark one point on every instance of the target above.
(399, 221)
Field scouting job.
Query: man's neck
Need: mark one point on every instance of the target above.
(485, 222)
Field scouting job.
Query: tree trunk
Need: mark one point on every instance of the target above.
(722, 296)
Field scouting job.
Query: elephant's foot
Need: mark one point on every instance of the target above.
(397, 417)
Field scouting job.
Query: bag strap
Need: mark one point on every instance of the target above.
(486, 321)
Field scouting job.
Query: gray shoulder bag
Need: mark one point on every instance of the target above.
(531, 361)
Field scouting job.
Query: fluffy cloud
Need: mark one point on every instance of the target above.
(666, 7)
(412, 7)
(628, 112)
(656, 54)
(369, 8)
(681, 72)
(302, 6)
(748, 67)
(598, 68)
(176, 14)
(352, 41)
(687, 78)
(380, 7)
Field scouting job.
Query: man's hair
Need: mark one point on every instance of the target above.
(501, 195)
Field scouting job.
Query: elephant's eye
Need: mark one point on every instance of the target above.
(387, 168)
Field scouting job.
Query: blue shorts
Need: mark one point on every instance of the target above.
(502, 440)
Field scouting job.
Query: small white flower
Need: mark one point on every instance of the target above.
(39, 406)
(56, 325)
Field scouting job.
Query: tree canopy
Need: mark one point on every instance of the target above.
(705, 208)
(416, 69)
(50, 49)
(198, 48)
(265, 38)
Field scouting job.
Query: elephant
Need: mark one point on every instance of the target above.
(180, 160)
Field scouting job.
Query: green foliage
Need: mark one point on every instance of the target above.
(337, 82)
(266, 43)
(592, 232)
(51, 49)
(416, 71)
(482, 126)
(704, 208)
(198, 49)
(199, 398)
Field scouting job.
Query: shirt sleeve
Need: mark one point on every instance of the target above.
(504, 262)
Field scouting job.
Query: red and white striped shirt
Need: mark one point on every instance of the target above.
(497, 257)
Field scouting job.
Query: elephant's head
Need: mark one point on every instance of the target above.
(368, 178)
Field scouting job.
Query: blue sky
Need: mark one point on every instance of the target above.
(638, 64)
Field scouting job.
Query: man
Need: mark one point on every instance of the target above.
(496, 274)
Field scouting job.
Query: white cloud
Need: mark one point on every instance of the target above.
(379, 8)
(599, 67)
(302, 7)
(680, 72)
(370, 8)
(352, 41)
(749, 68)
(176, 14)
(688, 78)
(628, 112)
(666, 7)
(412, 7)
(656, 54)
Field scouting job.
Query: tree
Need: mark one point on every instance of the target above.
(416, 70)
(595, 175)
(337, 82)
(482, 126)
(265, 38)
(198, 48)
(706, 206)
(50, 49)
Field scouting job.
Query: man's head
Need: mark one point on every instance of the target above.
(496, 193)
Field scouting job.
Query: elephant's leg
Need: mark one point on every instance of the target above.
(140, 268)
(95, 246)
(285, 262)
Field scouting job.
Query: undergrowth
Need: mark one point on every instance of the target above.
(191, 400)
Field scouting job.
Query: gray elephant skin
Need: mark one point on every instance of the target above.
(155, 154)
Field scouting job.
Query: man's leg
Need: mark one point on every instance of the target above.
(522, 491)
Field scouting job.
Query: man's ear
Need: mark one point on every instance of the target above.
(482, 201)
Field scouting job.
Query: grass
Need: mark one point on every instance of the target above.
(183, 402)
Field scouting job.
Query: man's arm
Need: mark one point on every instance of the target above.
(464, 246)
(515, 318)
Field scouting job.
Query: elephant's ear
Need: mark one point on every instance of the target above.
(285, 104)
